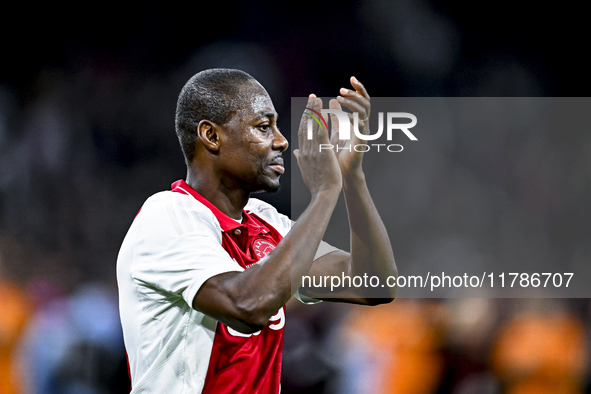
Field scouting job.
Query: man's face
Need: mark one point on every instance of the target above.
(252, 144)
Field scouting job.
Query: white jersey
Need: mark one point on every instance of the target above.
(173, 246)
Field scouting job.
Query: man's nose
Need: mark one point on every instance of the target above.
(280, 142)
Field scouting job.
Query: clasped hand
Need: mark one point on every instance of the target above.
(323, 168)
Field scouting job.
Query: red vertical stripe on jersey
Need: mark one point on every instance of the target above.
(241, 363)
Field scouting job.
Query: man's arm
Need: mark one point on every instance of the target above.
(246, 300)
(371, 250)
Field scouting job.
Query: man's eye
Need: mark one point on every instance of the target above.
(264, 127)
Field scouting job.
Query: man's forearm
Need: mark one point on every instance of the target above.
(296, 252)
(371, 250)
(270, 284)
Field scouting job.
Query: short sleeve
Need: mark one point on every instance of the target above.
(323, 249)
(177, 248)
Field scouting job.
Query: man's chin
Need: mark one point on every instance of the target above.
(273, 188)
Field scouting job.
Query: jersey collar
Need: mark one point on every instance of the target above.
(226, 222)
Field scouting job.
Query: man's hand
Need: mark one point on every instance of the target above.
(356, 100)
(320, 169)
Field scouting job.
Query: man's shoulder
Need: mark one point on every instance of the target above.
(175, 206)
(170, 198)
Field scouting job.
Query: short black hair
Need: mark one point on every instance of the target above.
(213, 95)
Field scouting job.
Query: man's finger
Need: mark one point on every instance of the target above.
(303, 141)
(323, 136)
(361, 107)
(359, 88)
(334, 121)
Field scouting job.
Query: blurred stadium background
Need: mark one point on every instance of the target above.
(87, 100)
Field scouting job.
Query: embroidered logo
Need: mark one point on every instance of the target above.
(262, 247)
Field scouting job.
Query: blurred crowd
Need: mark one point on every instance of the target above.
(87, 134)
(457, 346)
(57, 343)
(53, 342)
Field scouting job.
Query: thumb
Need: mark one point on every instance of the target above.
(296, 153)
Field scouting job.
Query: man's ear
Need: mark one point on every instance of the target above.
(208, 133)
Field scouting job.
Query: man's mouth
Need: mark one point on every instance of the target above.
(277, 165)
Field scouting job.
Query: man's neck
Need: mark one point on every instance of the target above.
(229, 201)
